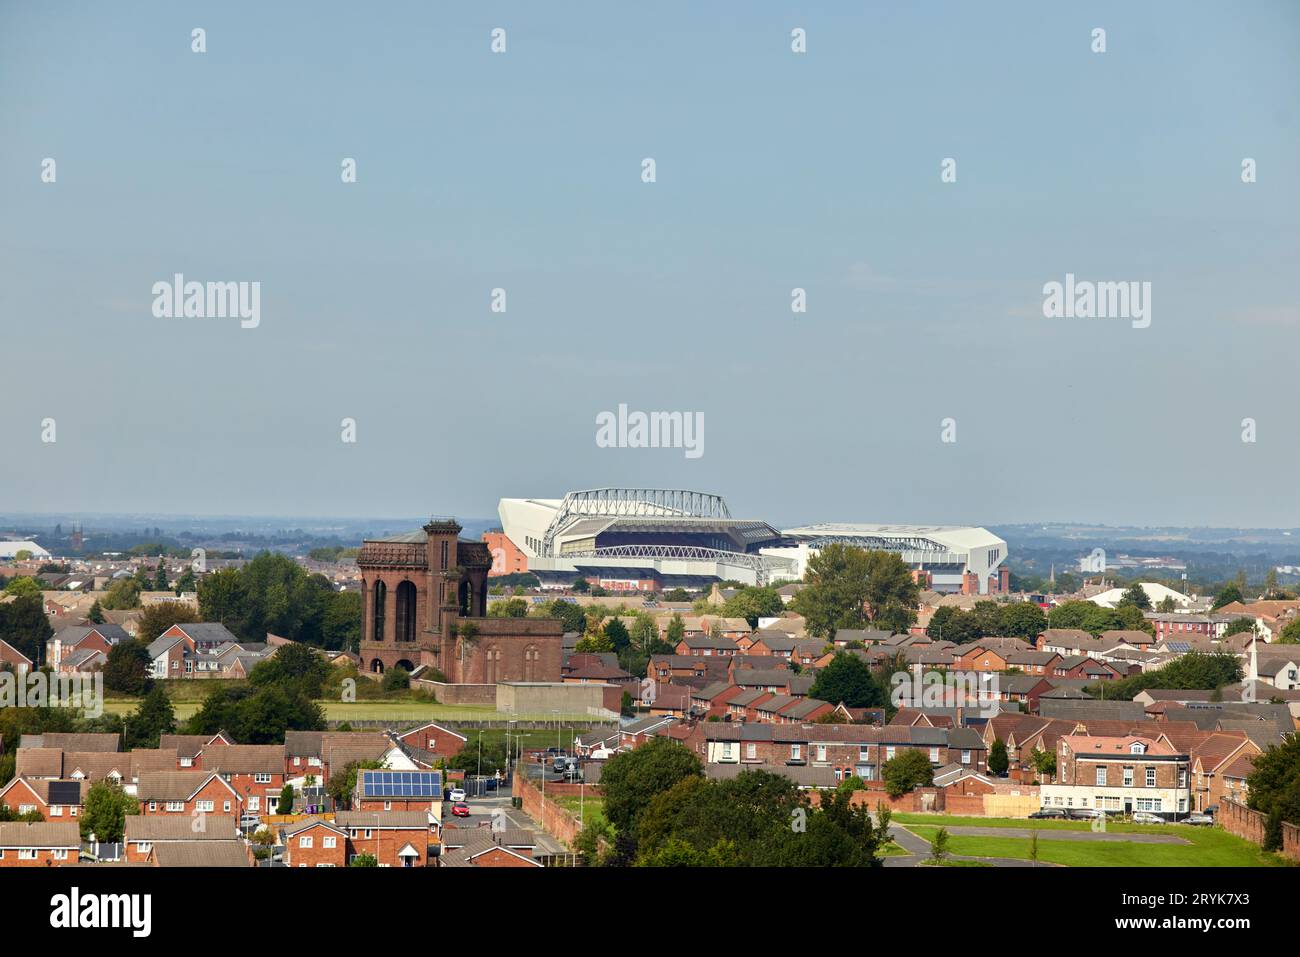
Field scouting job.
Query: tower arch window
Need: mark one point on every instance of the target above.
(380, 600)
(405, 612)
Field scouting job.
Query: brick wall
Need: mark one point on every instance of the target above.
(1240, 820)
(557, 821)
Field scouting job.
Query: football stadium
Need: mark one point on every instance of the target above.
(635, 539)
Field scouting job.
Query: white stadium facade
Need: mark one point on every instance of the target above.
(650, 539)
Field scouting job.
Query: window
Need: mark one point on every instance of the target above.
(56, 810)
(1128, 777)
(153, 805)
(965, 757)
(187, 762)
(26, 853)
(889, 752)
(1101, 776)
(934, 755)
(751, 750)
(261, 778)
(380, 599)
(227, 807)
(1151, 777)
(175, 805)
(329, 842)
(863, 753)
(1182, 777)
(60, 853)
(796, 752)
(304, 841)
(821, 752)
(254, 802)
(208, 806)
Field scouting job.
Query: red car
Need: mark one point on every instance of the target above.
(460, 809)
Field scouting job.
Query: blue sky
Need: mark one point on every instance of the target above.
(774, 170)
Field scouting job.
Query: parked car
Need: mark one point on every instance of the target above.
(1199, 819)
(249, 820)
(457, 795)
(1146, 817)
(1048, 813)
(460, 809)
(1085, 814)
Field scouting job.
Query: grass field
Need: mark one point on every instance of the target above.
(1209, 847)
(593, 808)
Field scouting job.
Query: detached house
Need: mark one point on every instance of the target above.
(1120, 774)
(41, 844)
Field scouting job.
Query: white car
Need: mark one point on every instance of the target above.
(1146, 817)
(457, 795)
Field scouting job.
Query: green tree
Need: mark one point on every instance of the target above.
(1044, 763)
(1228, 594)
(23, 625)
(158, 617)
(364, 860)
(1239, 626)
(186, 583)
(594, 644)
(676, 630)
(105, 810)
(397, 678)
(96, 613)
(998, 760)
(1273, 788)
(1136, 596)
(617, 634)
(939, 846)
(128, 668)
(848, 587)
(1290, 635)
(122, 595)
(906, 772)
(154, 718)
(340, 786)
(509, 608)
(23, 587)
(1022, 619)
(160, 582)
(630, 779)
(341, 622)
(285, 805)
(847, 679)
(753, 603)
(296, 667)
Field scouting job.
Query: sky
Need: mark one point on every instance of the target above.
(774, 170)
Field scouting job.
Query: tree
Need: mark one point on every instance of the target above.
(340, 786)
(160, 582)
(1022, 619)
(341, 623)
(23, 554)
(186, 583)
(24, 626)
(939, 846)
(122, 594)
(848, 587)
(96, 613)
(631, 779)
(23, 587)
(998, 760)
(1273, 788)
(154, 718)
(1044, 763)
(1136, 596)
(753, 603)
(1228, 594)
(1239, 626)
(105, 810)
(295, 667)
(128, 668)
(617, 634)
(396, 678)
(906, 772)
(676, 630)
(158, 617)
(1167, 605)
(1290, 635)
(581, 585)
(364, 860)
(285, 806)
(594, 644)
(848, 679)
(510, 608)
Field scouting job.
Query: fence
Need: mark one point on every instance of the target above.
(559, 822)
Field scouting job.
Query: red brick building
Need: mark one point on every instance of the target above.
(507, 559)
(314, 842)
(42, 844)
(187, 792)
(425, 603)
(394, 838)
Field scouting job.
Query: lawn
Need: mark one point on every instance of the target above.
(1046, 824)
(593, 808)
(1209, 847)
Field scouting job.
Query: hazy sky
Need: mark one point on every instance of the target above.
(775, 170)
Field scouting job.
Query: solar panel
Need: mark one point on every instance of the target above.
(65, 792)
(403, 784)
